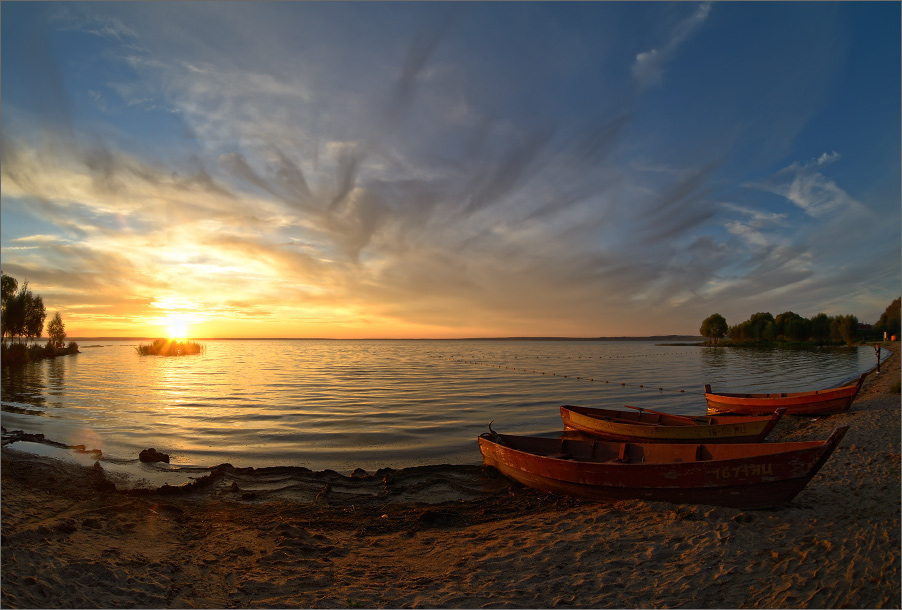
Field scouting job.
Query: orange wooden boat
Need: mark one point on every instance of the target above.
(818, 402)
(648, 426)
(746, 476)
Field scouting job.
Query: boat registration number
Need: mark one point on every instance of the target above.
(755, 470)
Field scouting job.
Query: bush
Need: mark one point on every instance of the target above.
(14, 353)
(21, 353)
(170, 347)
(37, 352)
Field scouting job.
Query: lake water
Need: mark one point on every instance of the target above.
(372, 404)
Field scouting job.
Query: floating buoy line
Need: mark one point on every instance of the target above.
(644, 386)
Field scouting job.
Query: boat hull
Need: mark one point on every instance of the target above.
(661, 428)
(820, 402)
(745, 476)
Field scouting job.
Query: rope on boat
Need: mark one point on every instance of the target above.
(577, 378)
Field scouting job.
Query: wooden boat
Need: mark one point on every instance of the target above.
(648, 426)
(818, 402)
(746, 476)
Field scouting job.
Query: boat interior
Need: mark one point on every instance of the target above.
(644, 453)
(640, 417)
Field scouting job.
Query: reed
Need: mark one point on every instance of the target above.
(171, 347)
(22, 353)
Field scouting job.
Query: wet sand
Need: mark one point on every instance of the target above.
(456, 536)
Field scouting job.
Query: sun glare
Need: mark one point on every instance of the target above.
(177, 327)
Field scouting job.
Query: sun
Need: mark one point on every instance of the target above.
(177, 326)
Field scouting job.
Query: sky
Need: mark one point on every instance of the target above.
(443, 170)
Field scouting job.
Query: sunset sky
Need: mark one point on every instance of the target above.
(295, 169)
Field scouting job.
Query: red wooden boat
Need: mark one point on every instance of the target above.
(818, 402)
(746, 476)
(647, 426)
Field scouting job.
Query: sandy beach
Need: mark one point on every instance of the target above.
(456, 536)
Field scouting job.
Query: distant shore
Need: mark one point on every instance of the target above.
(624, 338)
(457, 536)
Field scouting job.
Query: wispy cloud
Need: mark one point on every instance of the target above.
(649, 66)
(753, 226)
(806, 187)
(98, 24)
(400, 185)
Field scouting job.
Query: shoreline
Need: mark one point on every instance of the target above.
(456, 536)
(537, 338)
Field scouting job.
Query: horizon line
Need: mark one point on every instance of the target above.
(523, 338)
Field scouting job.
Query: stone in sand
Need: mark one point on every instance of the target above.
(152, 455)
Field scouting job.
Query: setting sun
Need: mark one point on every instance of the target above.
(177, 326)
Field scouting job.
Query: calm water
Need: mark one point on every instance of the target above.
(371, 404)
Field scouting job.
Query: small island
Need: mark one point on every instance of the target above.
(171, 347)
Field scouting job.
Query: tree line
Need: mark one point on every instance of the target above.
(790, 326)
(22, 315)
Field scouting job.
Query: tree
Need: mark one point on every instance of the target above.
(820, 327)
(797, 329)
(792, 326)
(9, 287)
(56, 330)
(761, 326)
(769, 332)
(714, 327)
(890, 319)
(35, 314)
(24, 314)
(844, 328)
(14, 312)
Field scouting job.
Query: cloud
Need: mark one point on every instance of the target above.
(419, 51)
(751, 227)
(815, 194)
(505, 232)
(37, 239)
(649, 66)
(810, 190)
(97, 24)
(323, 184)
(503, 229)
(827, 158)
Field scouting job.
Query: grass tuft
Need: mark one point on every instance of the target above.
(171, 347)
